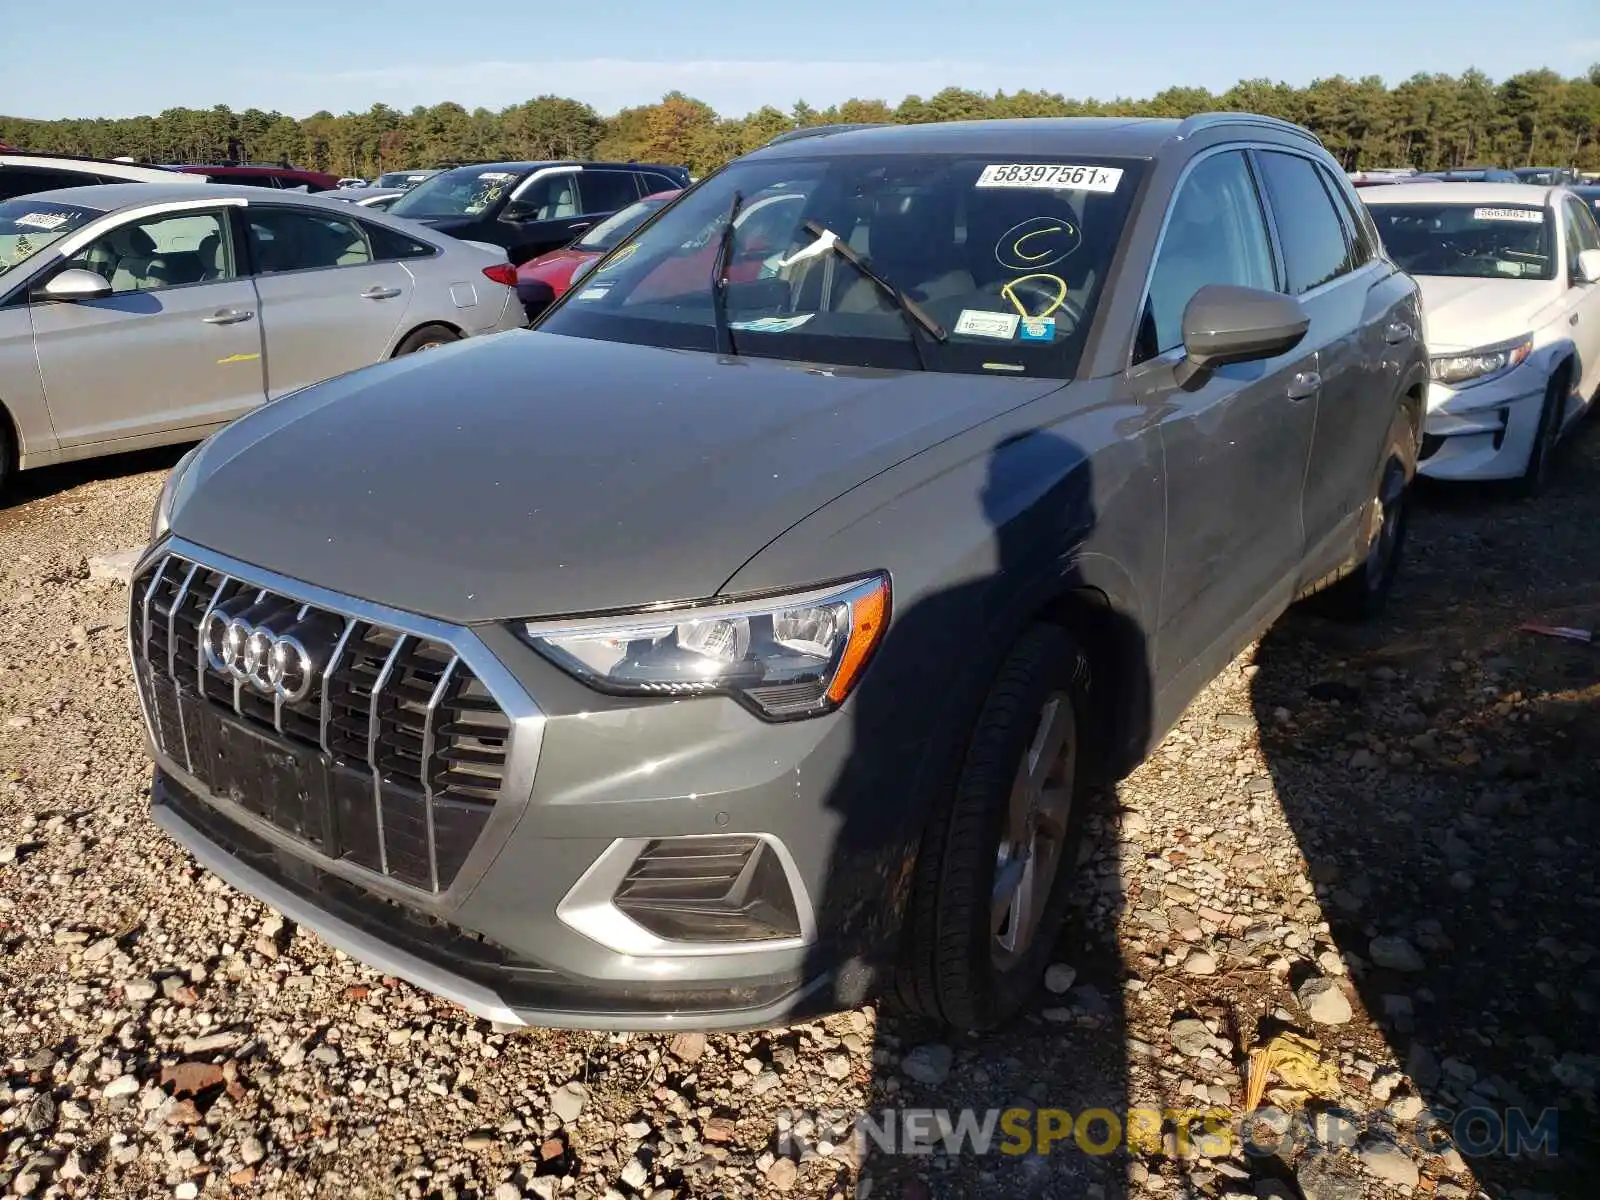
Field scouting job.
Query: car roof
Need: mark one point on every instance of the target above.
(1441, 192)
(89, 165)
(539, 164)
(1135, 137)
(114, 197)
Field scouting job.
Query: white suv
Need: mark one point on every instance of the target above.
(25, 174)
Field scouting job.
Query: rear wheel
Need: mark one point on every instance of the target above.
(1541, 459)
(993, 873)
(426, 338)
(1364, 593)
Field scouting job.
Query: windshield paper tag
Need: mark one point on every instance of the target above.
(495, 175)
(1065, 176)
(1037, 329)
(772, 324)
(42, 220)
(595, 291)
(975, 322)
(1530, 216)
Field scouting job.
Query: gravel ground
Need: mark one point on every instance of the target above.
(1381, 839)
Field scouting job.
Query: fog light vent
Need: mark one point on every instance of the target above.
(710, 889)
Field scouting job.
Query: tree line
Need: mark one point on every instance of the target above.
(1429, 122)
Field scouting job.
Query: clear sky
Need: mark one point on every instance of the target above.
(121, 57)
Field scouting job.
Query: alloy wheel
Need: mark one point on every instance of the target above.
(1034, 833)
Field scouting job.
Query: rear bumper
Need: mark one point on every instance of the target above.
(441, 960)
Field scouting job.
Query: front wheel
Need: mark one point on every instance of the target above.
(428, 337)
(992, 878)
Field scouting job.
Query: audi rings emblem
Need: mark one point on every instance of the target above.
(275, 664)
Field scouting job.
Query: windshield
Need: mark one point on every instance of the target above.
(1007, 259)
(29, 225)
(464, 192)
(618, 226)
(1469, 241)
(404, 180)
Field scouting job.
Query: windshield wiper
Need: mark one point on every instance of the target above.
(719, 278)
(910, 310)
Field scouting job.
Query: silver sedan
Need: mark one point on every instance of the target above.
(134, 315)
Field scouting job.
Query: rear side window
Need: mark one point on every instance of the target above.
(388, 245)
(283, 239)
(1314, 247)
(1363, 244)
(651, 182)
(607, 191)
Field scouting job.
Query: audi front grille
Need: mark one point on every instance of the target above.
(367, 743)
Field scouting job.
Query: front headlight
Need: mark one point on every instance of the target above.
(1479, 366)
(161, 517)
(795, 655)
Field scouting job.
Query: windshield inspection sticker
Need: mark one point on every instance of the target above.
(1528, 216)
(975, 322)
(771, 324)
(1037, 329)
(42, 220)
(1065, 176)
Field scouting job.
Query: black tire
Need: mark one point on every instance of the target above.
(1364, 593)
(426, 338)
(949, 972)
(1536, 476)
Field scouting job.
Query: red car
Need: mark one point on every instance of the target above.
(540, 281)
(287, 178)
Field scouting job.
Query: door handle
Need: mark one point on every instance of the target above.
(1306, 383)
(1397, 332)
(228, 316)
(380, 293)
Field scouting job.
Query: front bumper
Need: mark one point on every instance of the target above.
(505, 918)
(1485, 432)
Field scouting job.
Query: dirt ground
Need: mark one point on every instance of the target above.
(1382, 839)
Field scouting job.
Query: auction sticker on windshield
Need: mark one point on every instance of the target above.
(42, 220)
(1065, 176)
(1530, 216)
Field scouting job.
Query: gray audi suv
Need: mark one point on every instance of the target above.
(745, 639)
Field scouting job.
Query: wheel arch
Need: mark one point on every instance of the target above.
(1121, 674)
(419, 327)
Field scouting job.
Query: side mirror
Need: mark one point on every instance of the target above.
(76, 283)
(1588, 266)
(1223, 324)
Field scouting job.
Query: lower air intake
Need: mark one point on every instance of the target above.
(710, 889)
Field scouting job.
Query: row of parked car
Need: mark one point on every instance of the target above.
(742, 639)
(143, 305)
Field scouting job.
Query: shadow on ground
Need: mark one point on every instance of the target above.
(44, 482)
(1441, 772)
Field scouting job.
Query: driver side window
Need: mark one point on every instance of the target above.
(1216, 234)
(553, 198)
(1582, 234)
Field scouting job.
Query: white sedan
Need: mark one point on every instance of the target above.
(1510, 279)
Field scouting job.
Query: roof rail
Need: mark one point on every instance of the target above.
(1211, 120)
(807, 131)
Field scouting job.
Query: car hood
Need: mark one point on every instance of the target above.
(535, 474)
(1461, 314)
